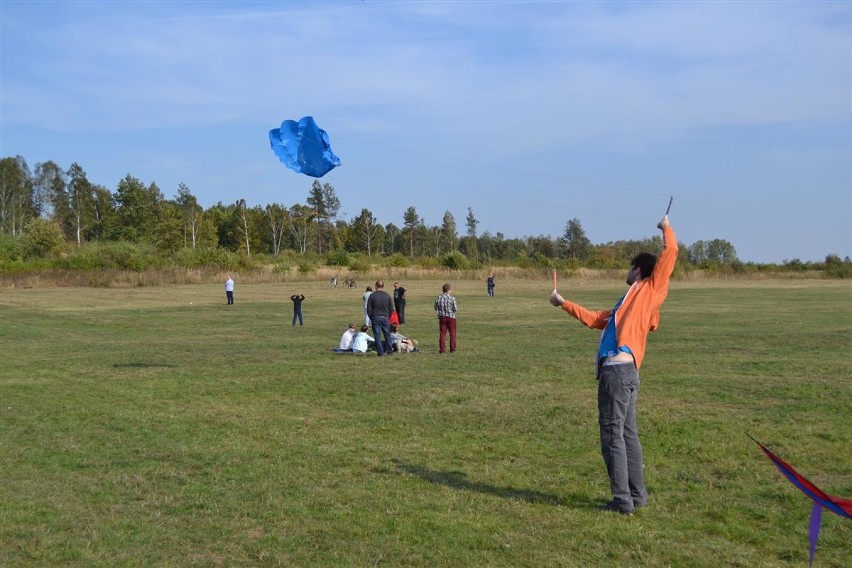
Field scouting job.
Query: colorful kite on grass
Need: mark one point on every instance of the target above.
(303, 147)
(821, 500)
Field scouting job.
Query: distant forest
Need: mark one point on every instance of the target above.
(50, 217)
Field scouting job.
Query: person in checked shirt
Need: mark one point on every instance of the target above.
(446, 306)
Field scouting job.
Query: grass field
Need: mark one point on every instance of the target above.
(160, 427)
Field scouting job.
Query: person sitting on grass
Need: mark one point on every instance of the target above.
(362, 341)
(402, 343)
(346, 338)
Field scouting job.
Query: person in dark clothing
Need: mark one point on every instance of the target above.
(297, 308)
(399, 301)
(379, 308)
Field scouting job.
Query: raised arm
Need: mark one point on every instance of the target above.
(667, 259)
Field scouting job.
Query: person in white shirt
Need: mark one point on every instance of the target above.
(347, 337)
(229, 290)
(362, 341)
(366, 297)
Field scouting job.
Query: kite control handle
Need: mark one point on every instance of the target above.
(665, 218)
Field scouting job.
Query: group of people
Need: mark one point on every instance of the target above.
(355, 341)
(379, 308)
(398, 304)
(384, 314)
(382, 311)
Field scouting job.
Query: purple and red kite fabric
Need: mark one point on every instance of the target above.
(821, 499)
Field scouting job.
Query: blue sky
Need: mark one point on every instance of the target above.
(531, 113)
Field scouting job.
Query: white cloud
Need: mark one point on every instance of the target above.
(525, 84)
(652, 71)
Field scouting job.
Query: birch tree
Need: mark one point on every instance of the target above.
(81, 201)
(49, 192)
(300, 223)
(192, 214)
(277, 218)
(16, 189)
(367, 229)
(243, 224)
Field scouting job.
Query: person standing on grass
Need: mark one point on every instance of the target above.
(297, 308)
(446, 306)
(229, 290)
(489, 284)
(379, 308)
(366, 297)
(399, 301)
(622, 349)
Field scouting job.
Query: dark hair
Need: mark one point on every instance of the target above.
(645, 262)
(446, 287)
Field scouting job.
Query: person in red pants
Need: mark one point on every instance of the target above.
(446, 306)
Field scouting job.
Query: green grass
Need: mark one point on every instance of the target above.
(140, 429)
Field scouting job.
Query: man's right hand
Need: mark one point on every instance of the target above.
(663, 223)
(556, 300)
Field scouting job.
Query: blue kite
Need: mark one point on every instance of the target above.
(303, 147)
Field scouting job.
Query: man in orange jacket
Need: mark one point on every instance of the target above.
(622, 349)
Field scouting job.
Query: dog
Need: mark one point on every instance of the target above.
(406, 345)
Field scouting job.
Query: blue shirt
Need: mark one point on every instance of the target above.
(609, 338)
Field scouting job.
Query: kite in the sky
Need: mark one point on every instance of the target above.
(303, 147)
(821, 500)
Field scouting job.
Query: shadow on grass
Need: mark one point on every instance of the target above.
(458, 480)
(138, 365)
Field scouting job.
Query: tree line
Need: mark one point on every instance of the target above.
(45, 210)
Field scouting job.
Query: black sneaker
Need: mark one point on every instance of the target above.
(614, 508)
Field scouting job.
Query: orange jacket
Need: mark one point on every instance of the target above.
(640, 311)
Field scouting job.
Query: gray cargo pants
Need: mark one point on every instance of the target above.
(618, 388)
